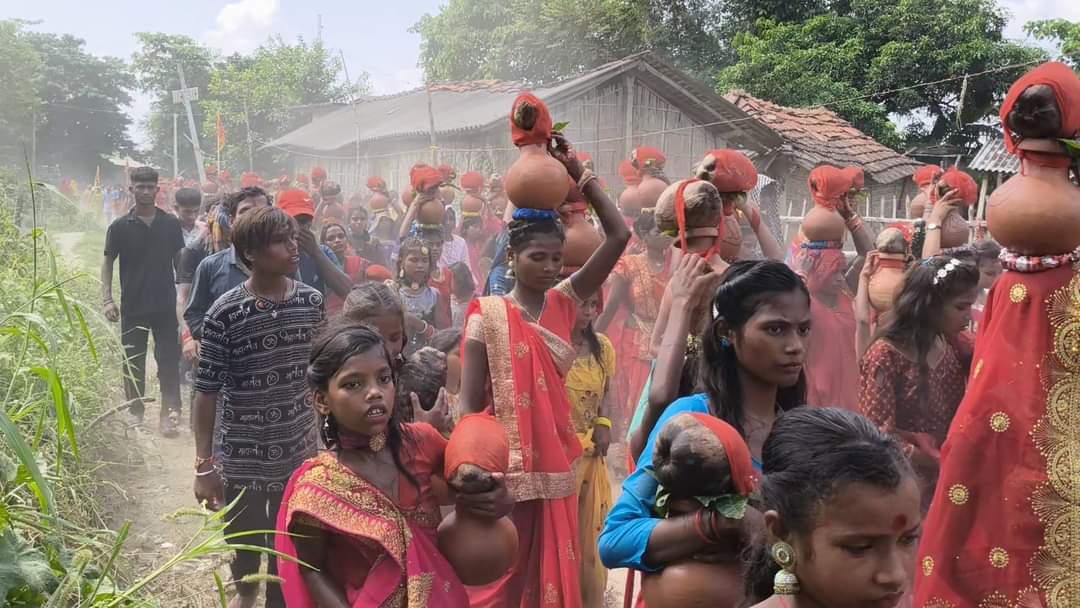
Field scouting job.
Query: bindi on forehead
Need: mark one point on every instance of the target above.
(900, 523)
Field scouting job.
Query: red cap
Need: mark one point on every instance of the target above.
(376, 183)
(296, 203)
(926, 174)
(647, 156)
(472, 180)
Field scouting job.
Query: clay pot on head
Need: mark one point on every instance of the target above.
(704, 210)
(582, 238)
(918, 206)
(649, 191)
(472, 204)
(408, 197)
(480, 551)
(536, 180)
(691, 584)
(823, 224)
(1036, 212)
(630, 202)
(887, 280)
(378, 202)
(954, 230)
(431, 211)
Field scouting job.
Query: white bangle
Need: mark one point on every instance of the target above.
(586, 177)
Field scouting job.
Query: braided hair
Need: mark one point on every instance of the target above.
(531, 223)
(330, 350)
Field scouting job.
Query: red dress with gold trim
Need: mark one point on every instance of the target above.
(1004, 528)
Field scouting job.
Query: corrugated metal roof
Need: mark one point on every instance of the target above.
(475, 105)
(992, 157)
(817, 135)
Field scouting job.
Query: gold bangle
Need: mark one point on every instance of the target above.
(602, 421)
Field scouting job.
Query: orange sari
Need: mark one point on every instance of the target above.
(646, 292)
(527, 363)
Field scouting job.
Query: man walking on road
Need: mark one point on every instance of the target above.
(146, 240)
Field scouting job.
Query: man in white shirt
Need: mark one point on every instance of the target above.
(454, 247)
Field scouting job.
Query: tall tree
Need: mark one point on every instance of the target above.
(1065, 33)
(270, 85)
(540, 41)
(877, 55)
(154, 67)
(19, 65)
(81, 122)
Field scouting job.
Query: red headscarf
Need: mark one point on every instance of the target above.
(376, 183)
(963, 183)
(926, 174)
(1066, 85)
(629, 173)
(738, 454)
(734, 171)
(855, 174)
(472, 180)
(540, 133)
(828, 185)
(647, 156)
(425, 178)
(905, 229)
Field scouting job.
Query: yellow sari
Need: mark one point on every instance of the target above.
(586, 385)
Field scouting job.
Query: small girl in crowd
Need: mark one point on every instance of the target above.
(376, 306)
(464, 292)
(334, 236)
(841, 515)
(416, 262)
(913, 376)
(363, 515)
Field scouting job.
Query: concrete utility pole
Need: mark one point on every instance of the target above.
(175, 146)
(187, 97)
(247, 125)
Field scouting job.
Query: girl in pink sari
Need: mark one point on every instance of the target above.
(516, 354)
(365, 513)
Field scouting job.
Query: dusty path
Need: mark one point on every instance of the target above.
(153, 481)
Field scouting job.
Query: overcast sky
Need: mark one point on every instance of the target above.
(372, 35)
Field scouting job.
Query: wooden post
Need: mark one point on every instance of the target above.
(628, 131)
(980, 212)
(247, 125)
(431, 129)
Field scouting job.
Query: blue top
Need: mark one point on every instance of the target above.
(631, 521)
(498, 284)
(214, 277)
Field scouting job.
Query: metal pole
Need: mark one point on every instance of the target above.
(191, 126)
(431, 129)
(251, 156)
(33, 142)
(175, 145)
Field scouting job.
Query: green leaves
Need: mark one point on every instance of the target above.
(731, 506)
(559, 127)
(21, 565)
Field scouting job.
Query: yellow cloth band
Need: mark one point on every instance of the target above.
(602, 421)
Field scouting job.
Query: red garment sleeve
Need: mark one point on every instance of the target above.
(877, 386)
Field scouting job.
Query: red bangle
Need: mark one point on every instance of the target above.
(755, 219)
(699, 527)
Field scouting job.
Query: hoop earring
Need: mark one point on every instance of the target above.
(725, 343)
(785, 582)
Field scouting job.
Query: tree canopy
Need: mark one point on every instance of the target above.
(1065, 33)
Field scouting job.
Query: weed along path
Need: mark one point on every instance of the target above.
(147, 487)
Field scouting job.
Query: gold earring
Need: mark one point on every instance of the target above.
(785, 582)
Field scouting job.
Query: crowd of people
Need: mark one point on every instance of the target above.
(786, 429)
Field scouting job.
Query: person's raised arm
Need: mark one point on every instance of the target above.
(335, 278)
(407, 221)
(935, 217)
(860, 232)
(620, 290)
(863, 330)
(590, 277)
(770, 247)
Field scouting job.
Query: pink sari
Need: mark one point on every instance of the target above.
(528, 363)
(382, 554)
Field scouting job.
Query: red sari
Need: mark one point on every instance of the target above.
(832, 365)
(634, 345)
(356, 269)
(383, 554)
(1001, 530)
(527, 364)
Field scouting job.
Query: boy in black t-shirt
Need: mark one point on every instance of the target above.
(146, 240)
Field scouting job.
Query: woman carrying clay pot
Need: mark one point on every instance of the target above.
(1000, 528)
(913, 375)
(517, 351)
(926, 179)
(832, 367)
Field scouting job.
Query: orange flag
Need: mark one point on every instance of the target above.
(220, 133)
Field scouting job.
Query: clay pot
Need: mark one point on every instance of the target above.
(954, 230)
(480, 551)
(408, 197)
(730, 239)
(582, 238)
(887, 280)
(630, 202)
(649, 191)
(472, 204)
(918, 206)
(431, 211)
(704, 210)
(536, 180)
(823, 224)
(1036, 212)
(378, 202)
(691, 584)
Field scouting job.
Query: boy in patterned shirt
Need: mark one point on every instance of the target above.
(253, 358)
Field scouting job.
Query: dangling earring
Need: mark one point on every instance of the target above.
(725, 343)
(785, 582)
(510, 271)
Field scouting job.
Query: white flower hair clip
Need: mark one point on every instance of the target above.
(945, 270)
